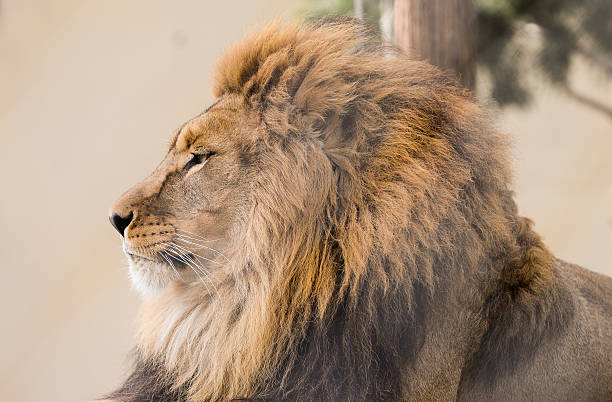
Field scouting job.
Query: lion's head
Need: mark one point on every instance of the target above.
(178, 223)
(302, 224)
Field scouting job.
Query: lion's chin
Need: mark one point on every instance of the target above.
(148, 277)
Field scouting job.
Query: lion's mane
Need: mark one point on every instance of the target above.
(385, 199)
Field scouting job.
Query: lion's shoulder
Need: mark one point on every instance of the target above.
(593, 288)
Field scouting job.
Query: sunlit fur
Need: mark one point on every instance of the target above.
(380, 247)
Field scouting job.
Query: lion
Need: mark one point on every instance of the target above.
(339, 225)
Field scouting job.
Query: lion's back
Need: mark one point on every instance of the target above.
(594, 290)
(592, 294)
(574, 362)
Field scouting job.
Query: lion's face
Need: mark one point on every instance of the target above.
(178, 223)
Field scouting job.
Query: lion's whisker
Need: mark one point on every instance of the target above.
(198, 245)
(182, 252)
(173, 247)
(194, 267)
(196, 236)
(198, 255)
(168, 258)
(197, 240)
(192, 241)
(162, 254)
(206, 247)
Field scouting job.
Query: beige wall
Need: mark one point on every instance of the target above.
(85, 84)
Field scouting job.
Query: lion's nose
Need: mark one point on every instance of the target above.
(120, 223)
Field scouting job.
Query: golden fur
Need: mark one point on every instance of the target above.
(370, 246)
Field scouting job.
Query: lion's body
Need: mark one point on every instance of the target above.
(375, 252)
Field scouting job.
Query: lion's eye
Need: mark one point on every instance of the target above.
(197, 159)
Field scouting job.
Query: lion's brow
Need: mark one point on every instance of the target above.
(178, 132)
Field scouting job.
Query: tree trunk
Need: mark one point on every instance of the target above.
(443, 32)
(386, 20)
(358, 8)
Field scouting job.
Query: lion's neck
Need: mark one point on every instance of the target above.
(218, 352)
(205, 342)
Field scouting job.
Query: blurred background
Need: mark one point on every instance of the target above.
(90, 92)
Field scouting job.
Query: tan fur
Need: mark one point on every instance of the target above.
(343, 175)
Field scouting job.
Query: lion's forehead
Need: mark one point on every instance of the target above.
(214, 124)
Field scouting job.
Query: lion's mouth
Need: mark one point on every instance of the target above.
(172, 261)
(167, 258)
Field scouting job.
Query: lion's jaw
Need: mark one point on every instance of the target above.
(147, 277)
